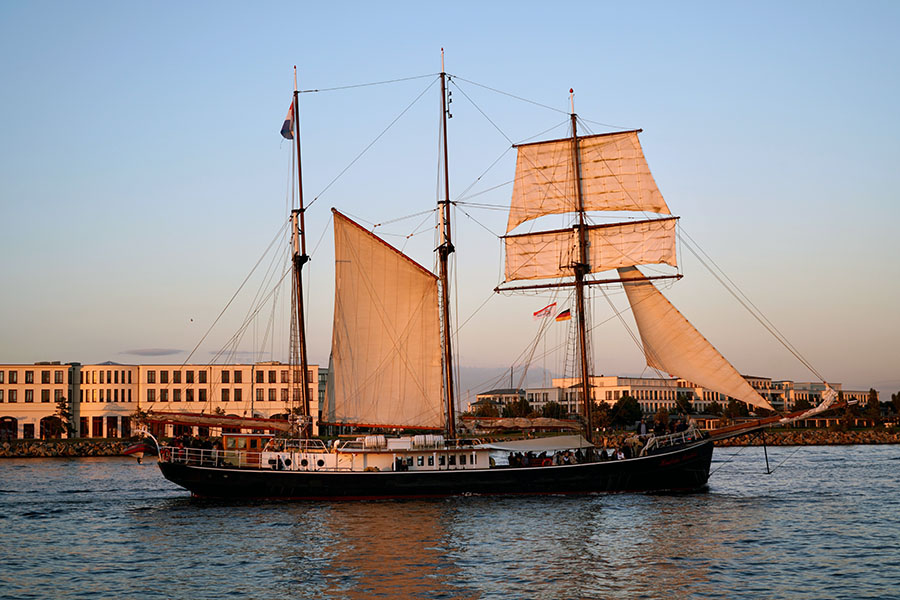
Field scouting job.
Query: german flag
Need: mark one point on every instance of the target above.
(564, 315)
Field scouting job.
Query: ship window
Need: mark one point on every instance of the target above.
(430, 458)
(452, 460)
(442, 460)
(254, 444)
(420, 461)
(409, 461)
(462, 459)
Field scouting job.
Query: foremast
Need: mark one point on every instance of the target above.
(444, 250)
(299, 258)
(581, 268)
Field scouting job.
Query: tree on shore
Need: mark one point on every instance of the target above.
(626, 411)
(519, 408)
(714, 408)
(553, 410)
(735, 409)
(65, 415)
(872, 409)
(802, 404)
(895, 400)
(683, 402)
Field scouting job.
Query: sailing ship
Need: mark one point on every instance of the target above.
(391, 361)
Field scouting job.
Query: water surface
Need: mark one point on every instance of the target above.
(824, 524)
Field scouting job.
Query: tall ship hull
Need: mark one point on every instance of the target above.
(683, 469)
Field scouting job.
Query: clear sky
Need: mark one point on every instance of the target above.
(142, 175)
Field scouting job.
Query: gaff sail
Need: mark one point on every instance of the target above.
(385, 355)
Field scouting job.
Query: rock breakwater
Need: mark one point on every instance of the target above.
(62, 448)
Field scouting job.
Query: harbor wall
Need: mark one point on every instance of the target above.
(62, 448)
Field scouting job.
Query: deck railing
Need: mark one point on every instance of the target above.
(679, 438)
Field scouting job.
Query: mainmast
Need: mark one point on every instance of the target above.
(298, 233)
(581, 268)
(444, 250)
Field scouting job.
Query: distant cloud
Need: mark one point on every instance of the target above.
(152, 352)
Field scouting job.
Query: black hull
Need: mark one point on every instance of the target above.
(684, 469)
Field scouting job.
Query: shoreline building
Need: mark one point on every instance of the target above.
(655, 393)
(103, 398)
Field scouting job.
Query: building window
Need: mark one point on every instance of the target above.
(151, 395)
(259, 376)
(58, 377)
(129, 376)
(1, 395)
(112, 427)
(176, 395)
(29, 395)
(45, 395)
(129, 395)
(14, 377)
(238, 377)
(2, 374)
(201, 375)
(116, 395)
(202, 395)
(164, 377)
(238, 395)
(259, 395)
(102, 380)
(189, 377)
(284, 395)
(29, 376)
(225, 377)
(176, 376)
(45, 376)
(83, 430)
(28, 431)
(284, 376)
(12, 396)
(163, 395)
(225, 394)
(271, 394)
(189, 395)
(97, 427)
(151, 377)
(272, 377)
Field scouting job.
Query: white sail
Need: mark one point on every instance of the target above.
(386, 361)
(552, 254)
(614, 176)
(673, 345)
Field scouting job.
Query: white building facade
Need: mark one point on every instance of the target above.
(104, 397)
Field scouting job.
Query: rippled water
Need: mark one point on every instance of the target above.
(824, 524)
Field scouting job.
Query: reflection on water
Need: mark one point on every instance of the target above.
(823, 525)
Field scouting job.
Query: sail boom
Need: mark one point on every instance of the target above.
(580, 138)
(561, 284)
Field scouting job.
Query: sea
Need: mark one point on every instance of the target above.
(814, 522)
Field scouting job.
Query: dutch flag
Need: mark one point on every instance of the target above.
(287, 129)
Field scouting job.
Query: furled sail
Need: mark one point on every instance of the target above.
(614, 176)
(673, 345)
(552, 254)
(386, 361)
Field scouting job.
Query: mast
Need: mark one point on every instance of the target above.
(298, 233)
(444, 251)
(581, 268)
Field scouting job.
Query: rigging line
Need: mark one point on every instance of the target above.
(549, 129)
(243, 283)
(483, 114)
(490, 189)
(757, 315)
(484, 205)
(606, 124)
(239, 334)
(398, 219)
(477, 179)
(796, 449)
(372, 143)
(482, 225)
(736, 287)
(730, 458)
(359, 85)
(510, 95)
